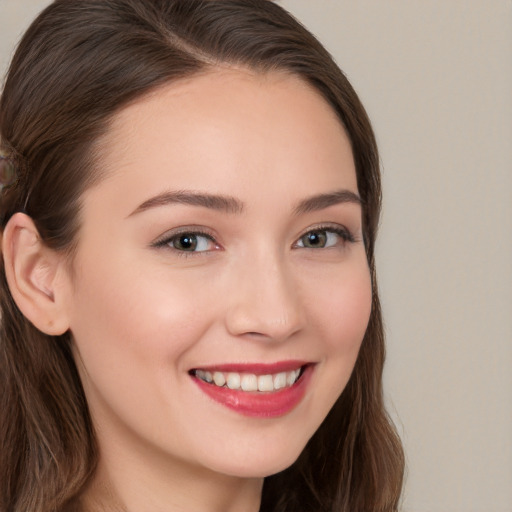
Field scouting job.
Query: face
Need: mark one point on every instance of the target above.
(220, 289)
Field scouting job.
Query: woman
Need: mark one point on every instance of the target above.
(190, 318)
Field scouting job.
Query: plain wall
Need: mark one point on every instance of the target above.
(436, 78)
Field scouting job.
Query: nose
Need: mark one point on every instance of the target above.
(264, 301)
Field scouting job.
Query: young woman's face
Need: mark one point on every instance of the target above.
(223, 244)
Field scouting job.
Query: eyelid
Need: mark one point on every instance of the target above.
(345, 233)
(164, 240)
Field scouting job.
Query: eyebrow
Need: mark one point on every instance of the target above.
(232, 205)
(212, 201)
(322, 201)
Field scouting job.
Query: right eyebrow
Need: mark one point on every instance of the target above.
(322, 201)
(223, 203)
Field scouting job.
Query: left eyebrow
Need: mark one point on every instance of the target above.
(322, 201)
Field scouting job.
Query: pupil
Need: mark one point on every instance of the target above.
(316, 239)
(186, 242)
(313, 239)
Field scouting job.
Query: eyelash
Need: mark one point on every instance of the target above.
(167, 241)
(345, 235)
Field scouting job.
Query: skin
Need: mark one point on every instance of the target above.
(143, 316)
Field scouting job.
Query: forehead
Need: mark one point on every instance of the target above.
(230, 128)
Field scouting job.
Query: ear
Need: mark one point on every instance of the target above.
(37, 275)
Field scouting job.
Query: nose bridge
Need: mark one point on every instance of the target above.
(265, 301)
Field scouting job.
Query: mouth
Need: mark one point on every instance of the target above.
(256, 390)
(250, 382)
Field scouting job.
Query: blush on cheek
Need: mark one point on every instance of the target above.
(346, 315)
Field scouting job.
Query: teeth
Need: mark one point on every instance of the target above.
(218, 378)
(265, 383)
(249, 381)
(233, 381)
(280, 380)
(291, 377)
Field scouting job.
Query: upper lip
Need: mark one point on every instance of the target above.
(255, 368)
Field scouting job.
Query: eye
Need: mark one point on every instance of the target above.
(322, 238)
(188, 242)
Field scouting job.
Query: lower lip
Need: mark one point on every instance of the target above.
(259, 404)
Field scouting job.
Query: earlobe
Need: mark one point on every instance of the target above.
(35, 275)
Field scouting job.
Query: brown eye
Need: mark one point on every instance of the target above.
(314, 239)
(190, 242)
(324, 238)
(186, 242)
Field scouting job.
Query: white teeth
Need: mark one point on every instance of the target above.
(291, 377)
(265, 383)
(218, 378)
(248, 381)
(233, 381)
(280, 380)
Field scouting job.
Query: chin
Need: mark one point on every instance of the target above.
(261, 464)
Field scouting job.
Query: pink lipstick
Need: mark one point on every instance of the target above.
(260, 390)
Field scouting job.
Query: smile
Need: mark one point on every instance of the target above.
(249, 381)
(264, 391)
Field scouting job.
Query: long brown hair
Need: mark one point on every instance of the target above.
(75, 68)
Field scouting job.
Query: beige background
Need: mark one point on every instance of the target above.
(436, 78)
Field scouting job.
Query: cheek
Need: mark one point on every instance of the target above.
(128, 306)
(338, 314)
(342, 313)
(130, 327)
(342, 317)
(133, 332)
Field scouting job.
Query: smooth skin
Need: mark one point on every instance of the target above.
(273, 268)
